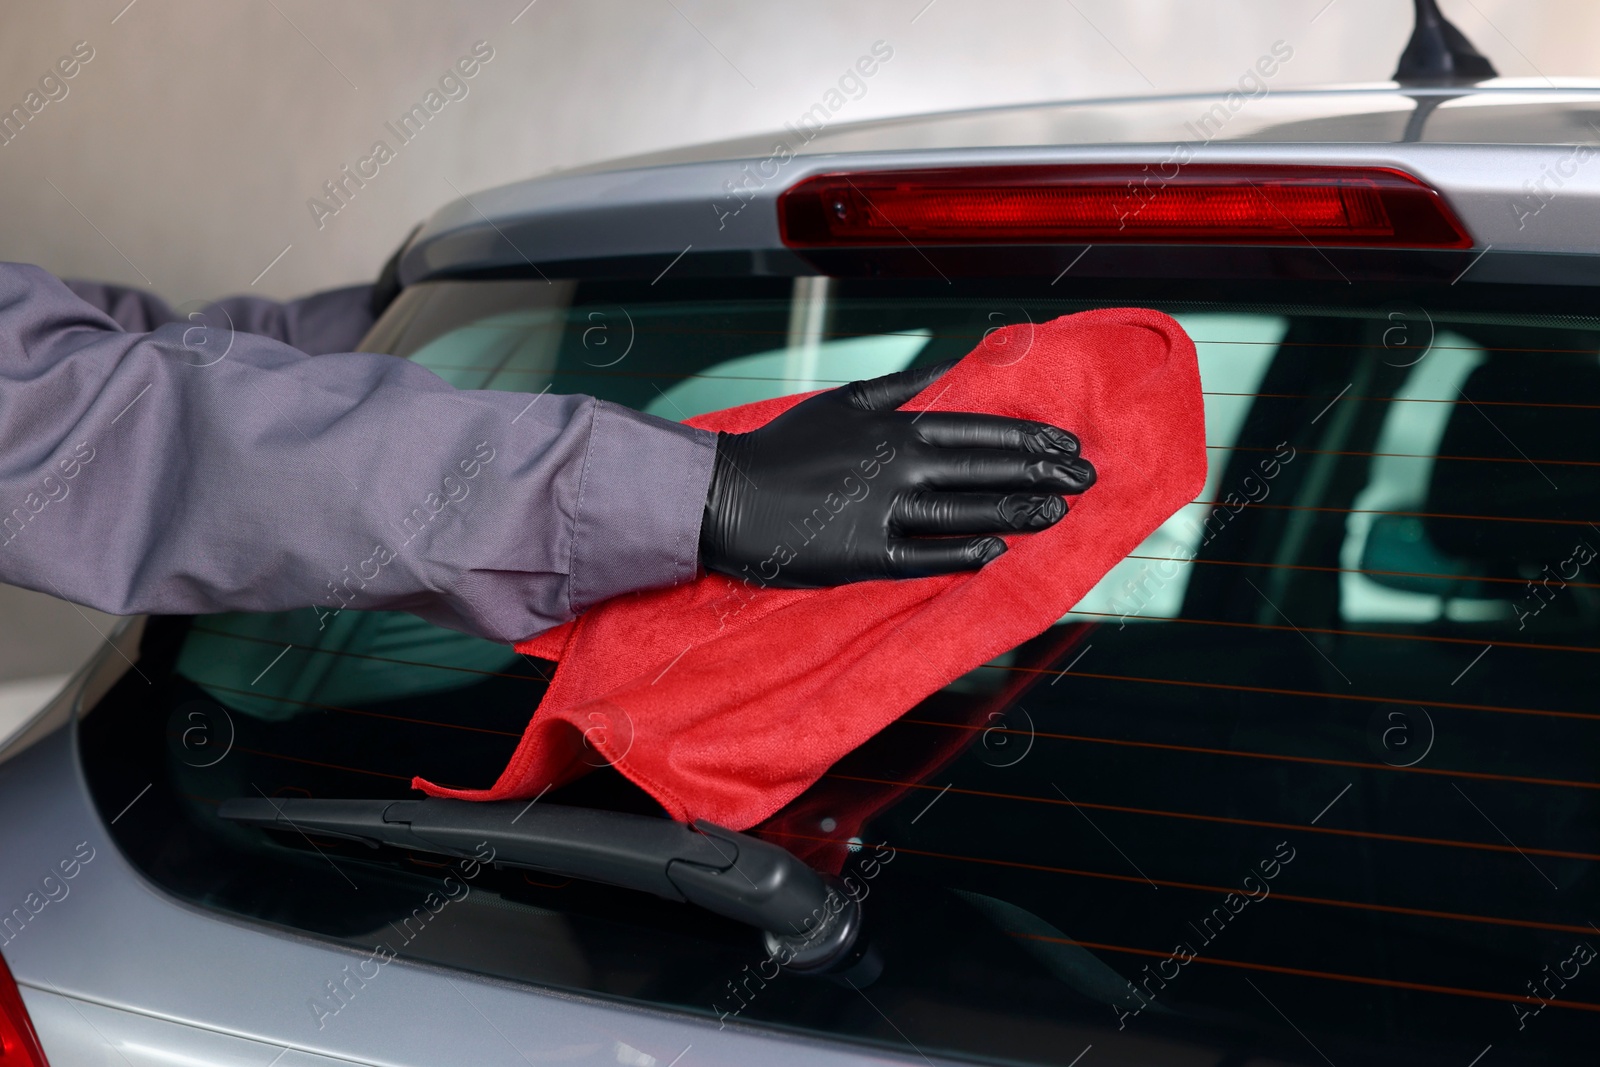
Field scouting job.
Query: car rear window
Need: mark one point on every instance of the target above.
(1310, 776)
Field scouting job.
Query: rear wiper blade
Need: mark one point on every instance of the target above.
(809, 924)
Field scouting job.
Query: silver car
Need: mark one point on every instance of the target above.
(1310, 777)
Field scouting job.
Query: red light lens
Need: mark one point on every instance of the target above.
(1197, 204)
(19, 1045)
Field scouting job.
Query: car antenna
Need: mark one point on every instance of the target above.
(1440, 54)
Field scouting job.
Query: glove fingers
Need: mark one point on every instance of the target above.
(892, 390)
(976, 513)
(960, 429)
(994, 471)
(925, 557)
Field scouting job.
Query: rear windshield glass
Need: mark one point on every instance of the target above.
(1309, 776)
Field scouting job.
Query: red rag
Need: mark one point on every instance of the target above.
(724, 700)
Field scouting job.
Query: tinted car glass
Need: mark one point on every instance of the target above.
(1311, 775)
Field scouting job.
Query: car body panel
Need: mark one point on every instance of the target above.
(119, 962)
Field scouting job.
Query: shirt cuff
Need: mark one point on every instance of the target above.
(640, 502)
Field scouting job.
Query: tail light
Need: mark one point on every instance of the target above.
(1195, 204)
(19, 1045)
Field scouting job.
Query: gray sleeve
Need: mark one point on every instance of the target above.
(190, 469)
(332, 321)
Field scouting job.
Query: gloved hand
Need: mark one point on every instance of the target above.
(844, 488)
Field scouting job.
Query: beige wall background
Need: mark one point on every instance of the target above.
(186, 149)
(183, 153)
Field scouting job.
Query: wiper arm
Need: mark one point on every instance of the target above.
(809, 924)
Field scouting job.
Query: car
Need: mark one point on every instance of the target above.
(1310, 777)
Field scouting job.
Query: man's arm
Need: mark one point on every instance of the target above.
(149, 472)
(332, 321)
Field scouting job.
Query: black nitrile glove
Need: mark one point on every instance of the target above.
(844, 488)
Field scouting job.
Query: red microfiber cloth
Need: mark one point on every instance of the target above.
(725, 701)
